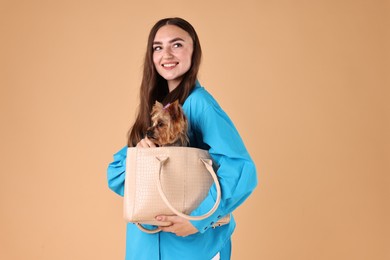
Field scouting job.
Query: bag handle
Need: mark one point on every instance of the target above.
(149, 231)
(208, 164)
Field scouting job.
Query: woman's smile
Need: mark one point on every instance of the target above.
(169, 65)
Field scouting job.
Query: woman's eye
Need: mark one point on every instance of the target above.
(176, 45)
(157, 48)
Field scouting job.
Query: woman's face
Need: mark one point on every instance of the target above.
(172, 53)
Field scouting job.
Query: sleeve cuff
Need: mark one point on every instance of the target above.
(203, 225)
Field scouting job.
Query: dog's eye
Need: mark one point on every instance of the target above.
(160, 124)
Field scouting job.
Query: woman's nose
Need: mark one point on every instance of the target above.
(168, 53)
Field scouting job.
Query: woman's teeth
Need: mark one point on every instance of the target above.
(169, 65)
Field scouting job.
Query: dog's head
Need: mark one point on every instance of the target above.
(169, 125)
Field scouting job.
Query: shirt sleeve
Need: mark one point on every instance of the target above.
(116, 172)
(236, 170)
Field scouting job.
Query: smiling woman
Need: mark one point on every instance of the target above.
(170, 73)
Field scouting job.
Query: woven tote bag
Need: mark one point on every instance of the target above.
(167, 181)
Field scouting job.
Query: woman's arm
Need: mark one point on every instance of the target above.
(116, 172)
(236, 172)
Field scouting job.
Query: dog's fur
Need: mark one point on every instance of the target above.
(169, 125)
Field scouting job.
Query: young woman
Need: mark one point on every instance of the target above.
(170, 72)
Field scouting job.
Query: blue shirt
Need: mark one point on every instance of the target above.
(211, 129)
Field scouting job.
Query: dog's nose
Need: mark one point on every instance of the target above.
(149, 133)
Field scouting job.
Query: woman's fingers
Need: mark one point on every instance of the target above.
(180, 226)
(145, 143)
(150, 143)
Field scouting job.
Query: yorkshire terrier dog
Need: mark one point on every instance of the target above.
(169, 125)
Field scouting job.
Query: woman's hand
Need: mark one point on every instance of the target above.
(180, 226)
(145, 143)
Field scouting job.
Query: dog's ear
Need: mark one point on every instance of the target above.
(174, 110)
(158, 105)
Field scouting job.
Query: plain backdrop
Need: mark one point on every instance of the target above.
(305, 82)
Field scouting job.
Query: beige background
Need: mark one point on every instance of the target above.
(306, 83)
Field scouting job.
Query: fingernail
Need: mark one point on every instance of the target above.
(159, 218)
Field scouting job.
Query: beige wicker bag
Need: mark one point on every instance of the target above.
(167, 181)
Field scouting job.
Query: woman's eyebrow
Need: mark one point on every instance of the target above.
(171, 41)
(176, 39)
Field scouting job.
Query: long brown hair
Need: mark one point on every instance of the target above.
(154, 87)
